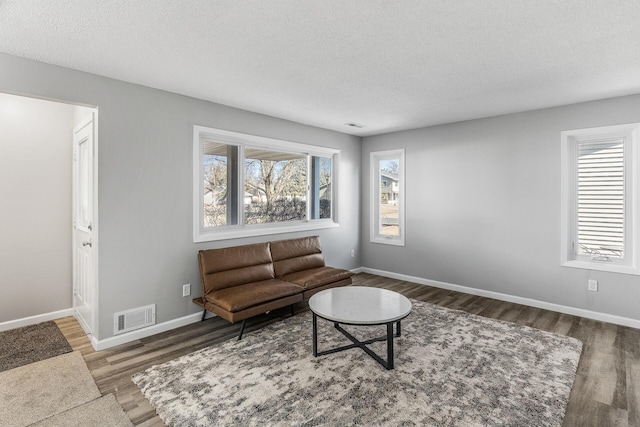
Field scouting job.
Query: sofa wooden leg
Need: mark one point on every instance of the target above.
(242, 329)
(204, 314)
(292, 312)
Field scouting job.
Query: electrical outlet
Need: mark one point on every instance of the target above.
(186, 290)
(593, 285)
(353, 253)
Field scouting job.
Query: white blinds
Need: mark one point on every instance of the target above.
(600, 232)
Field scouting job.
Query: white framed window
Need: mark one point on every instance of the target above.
(387, 197)
(248, 185)
(600, 211)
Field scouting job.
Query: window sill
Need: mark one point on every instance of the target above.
(261, 230)
(602, 266)
(393, 241)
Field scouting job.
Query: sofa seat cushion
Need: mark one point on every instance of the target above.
(315, 277)
(240, 297)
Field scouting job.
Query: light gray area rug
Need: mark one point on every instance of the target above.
(40, 390)
(104, 411)
(29, 344)
(451, 369)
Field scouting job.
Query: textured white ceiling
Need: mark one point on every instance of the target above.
(387, 65)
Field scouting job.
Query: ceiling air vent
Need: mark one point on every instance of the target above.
(133, 319)
(354, 125)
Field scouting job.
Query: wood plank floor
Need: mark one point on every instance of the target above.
(606, 391)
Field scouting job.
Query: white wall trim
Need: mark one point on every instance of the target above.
(106, 343)
(604, 317)
(32, 320)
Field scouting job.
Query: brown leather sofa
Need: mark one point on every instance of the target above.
(244, 281)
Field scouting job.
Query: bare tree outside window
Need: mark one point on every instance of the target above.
(321, 191)
(276, 185)
(217, 198)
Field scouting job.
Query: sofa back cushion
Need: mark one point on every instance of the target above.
(226, 267)
(294, 255)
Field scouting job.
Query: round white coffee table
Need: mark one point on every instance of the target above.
(360, 305)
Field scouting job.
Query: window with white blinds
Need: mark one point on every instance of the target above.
(600, 179)
(601, 199)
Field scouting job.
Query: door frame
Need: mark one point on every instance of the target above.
(90, 330)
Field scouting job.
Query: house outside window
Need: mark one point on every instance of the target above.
(387, 198)
(389, 186)
(250, 185)
(600, 212)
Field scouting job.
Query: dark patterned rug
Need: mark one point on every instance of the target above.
(451, 369)
(30, 344)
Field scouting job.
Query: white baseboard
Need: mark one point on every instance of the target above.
(144, 332)
(604, 317)
(196, 317)
(32, 320)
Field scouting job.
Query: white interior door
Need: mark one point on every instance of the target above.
(84, 260)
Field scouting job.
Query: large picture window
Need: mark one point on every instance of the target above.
(387, 197)
(600, 179)
(250, 185)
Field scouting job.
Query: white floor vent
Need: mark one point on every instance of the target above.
(133, 319)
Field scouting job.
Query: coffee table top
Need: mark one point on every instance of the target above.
(360, 305)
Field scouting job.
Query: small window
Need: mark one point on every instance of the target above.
(387, 197)
(321, 179)
(600, 173)
(249, 185)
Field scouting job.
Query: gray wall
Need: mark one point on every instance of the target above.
(483, 207)
(35, 207)
(145, 177)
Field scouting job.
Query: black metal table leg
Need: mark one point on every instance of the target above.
(390, 344)
(315, 335)
(388, 364)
